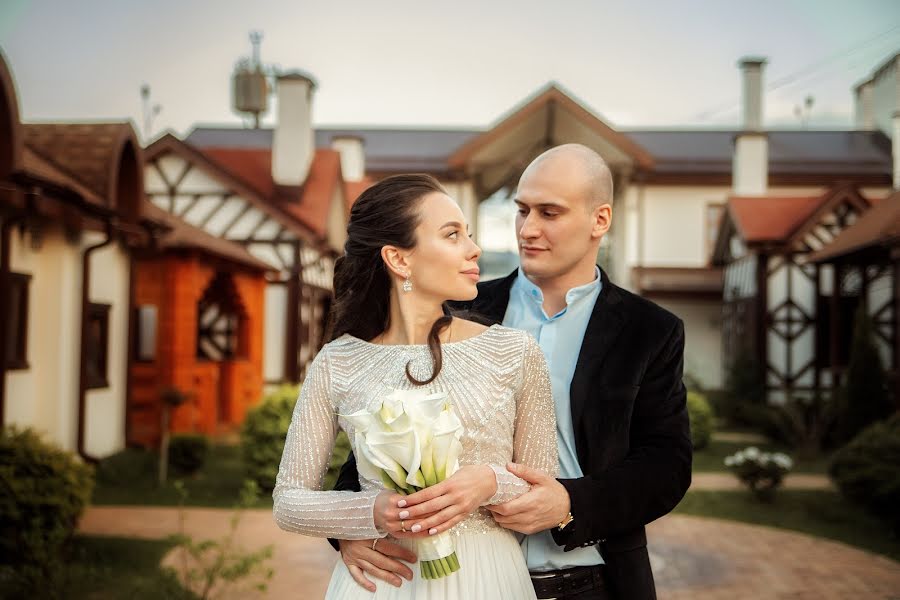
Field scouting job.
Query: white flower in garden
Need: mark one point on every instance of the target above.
(783, 460)
(751, 453)
(729, 461)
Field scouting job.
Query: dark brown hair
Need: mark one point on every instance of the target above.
(386, 214)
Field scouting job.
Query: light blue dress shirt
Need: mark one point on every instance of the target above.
(560, 338)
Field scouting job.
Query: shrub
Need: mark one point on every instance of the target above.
(263, 433)
(867, 470)
(262, 439)
(188, 452)
(43, 492)
(702, 419)
(761, 472)
(864, 397)
(744, 398)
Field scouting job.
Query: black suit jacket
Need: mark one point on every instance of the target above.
(632, 433)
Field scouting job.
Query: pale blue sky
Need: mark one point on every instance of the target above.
(637, 63)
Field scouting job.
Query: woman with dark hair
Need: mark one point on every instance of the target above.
(408, 253)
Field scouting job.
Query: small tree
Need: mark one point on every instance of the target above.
(864, 397)
(171, 398)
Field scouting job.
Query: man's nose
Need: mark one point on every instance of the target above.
(529, 228)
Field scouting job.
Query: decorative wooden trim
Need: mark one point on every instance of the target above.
(550, 95)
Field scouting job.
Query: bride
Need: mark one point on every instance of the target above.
(407, 253)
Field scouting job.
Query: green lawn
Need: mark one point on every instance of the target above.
(130, 478)
(819, 513)
(101, 568)
(711, 458)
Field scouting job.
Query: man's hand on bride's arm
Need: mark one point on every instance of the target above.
(439, 507)
(382, 562)
(543, 507)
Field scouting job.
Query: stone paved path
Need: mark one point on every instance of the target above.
(693, 557)
(727, 481)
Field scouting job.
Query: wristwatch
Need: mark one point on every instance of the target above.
(562, 524)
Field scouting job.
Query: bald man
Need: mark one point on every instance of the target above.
(616, 364)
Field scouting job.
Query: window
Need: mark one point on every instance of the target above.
(145, 338)
(17, 321)
(96, 349)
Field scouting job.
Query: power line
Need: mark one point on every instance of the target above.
(798, 74)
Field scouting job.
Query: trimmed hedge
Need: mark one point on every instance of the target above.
(43, 492)
(867, 470)
(702, 419)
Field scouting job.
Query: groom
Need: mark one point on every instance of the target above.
(615, 363)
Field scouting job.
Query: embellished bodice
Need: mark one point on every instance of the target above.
(497, 382)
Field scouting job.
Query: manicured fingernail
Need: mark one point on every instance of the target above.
(401, 503)
(432, 531)
(416, 528)
(404, 514)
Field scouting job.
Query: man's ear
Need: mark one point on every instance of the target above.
(396, 261)
(602, 220)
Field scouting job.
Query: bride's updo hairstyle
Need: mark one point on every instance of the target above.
(386, 214)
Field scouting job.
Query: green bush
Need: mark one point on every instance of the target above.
(702, 419)
(43, 492)
(867, 470)
(263, 433)
(188, 452)
(262, 439)
(864, 397)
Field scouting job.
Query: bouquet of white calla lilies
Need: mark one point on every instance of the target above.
(410, 440)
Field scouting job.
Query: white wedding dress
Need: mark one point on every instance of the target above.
(499, 386)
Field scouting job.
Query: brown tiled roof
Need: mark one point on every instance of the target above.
(352, 190)
(254, 167)
(318, 191)
(40, 168)
(182, 235)
(880, 225)
(771, 218)
(86, 152)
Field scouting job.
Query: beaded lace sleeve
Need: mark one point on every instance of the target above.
(534, 440)
(300, 505)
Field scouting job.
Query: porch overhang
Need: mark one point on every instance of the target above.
(496, 158)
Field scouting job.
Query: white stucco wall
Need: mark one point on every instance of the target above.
(105, 408)
(274, 332)
(703, 339)
(45, 395)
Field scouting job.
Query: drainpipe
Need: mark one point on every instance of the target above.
(82, 371)
(5, 243)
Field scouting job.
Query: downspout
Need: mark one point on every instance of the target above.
(82, 346)
(5, 243)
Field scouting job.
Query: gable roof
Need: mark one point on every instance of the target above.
(550, 97)
(770, 218)
(179, 234)
(879, 226)
(243, 183)
(309, 204)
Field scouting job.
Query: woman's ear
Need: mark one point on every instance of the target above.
(395, 260)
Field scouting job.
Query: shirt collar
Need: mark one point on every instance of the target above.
(529, 290)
